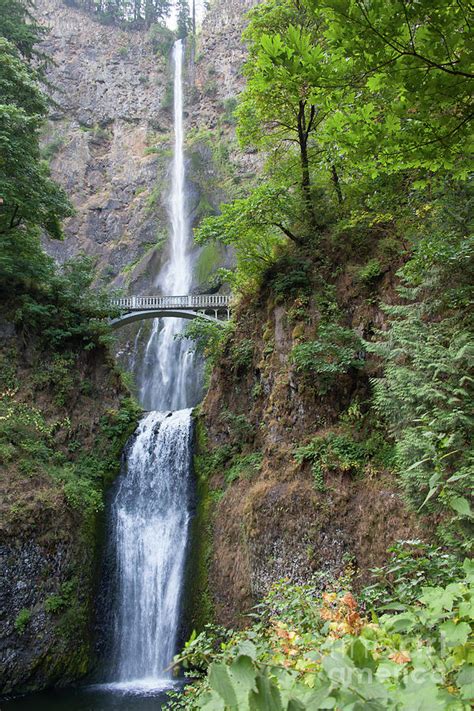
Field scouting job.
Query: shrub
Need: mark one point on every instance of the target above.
(335, 352)
(243, 466)
(241, 430)
(53, 147)
(161, 39)
(57, 602)
(22, 620)
(230, 106)
(242, 353)
(290, 278)
(333, 452)
(210, 88)
(411, 566)
(370, 272)
(167, 102)
(310, 651)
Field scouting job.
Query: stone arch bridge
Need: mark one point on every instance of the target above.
(213, 307)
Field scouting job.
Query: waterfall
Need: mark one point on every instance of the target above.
(168, 377)
(151, 503)
(150, 514)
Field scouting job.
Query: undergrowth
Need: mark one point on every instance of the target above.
(307, 650)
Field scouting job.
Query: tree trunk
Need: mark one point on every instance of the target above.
(303, 133)
(337, 184)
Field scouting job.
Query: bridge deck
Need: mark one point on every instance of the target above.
(191, 302)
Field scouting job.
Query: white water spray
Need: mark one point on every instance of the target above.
(168, 379)
(150, 511)
(150, 515)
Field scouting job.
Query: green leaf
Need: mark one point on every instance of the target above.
(465, 681)
(361, 656)
(267, 697)
(461, 506)
(243, 673)
(468, 567)
(455, 634)
(247, 649)
(220, 681)
(211, 702)
(295, 705)
(400, 623)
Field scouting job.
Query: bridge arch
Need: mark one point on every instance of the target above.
(137, 308)
(133, 316)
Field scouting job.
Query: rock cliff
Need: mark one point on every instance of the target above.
(65, 418)
(110, 92)
(109, 136)
(296, 476)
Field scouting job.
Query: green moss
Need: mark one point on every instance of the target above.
(370, 272)
(242, 353)
(243, 466)
(198, 607)
(347, 452)
(336, 351)
(52, 147)
(207, 262)
(22, 620)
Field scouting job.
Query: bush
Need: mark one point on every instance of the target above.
(27, 438)
(426, 392)
(242, 353)
(411, 566)
(334, 353)
(243, 466)
(370, 272)
(161, 39)
(67, 309)
(312, 651)
(289, 278)
(57, 602)
(229, 106)
(341, 452)
(22, 620)
(240, 429)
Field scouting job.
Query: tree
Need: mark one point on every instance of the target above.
(426, 391)
(155, 11)
(184, 21)
(278, 97)
(18, 26)
(255, 227)
(129, 12)
(29, 198)
(402, 83)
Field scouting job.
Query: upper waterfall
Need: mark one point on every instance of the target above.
(168, 378)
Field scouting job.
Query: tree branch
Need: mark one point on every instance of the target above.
(288, 233)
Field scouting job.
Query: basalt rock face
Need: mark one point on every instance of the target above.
(102, 136)
(62, 417)
(219, 168)
(220, 55)
(109, 136)
(272, 514)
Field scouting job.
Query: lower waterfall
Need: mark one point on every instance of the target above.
(150, 513)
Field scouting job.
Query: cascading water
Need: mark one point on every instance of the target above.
(151, 502)
(150, 514)
(150, 510)
(168, 375)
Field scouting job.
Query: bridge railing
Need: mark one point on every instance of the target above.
(142, 303)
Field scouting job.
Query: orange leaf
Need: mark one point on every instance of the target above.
(400, 657)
